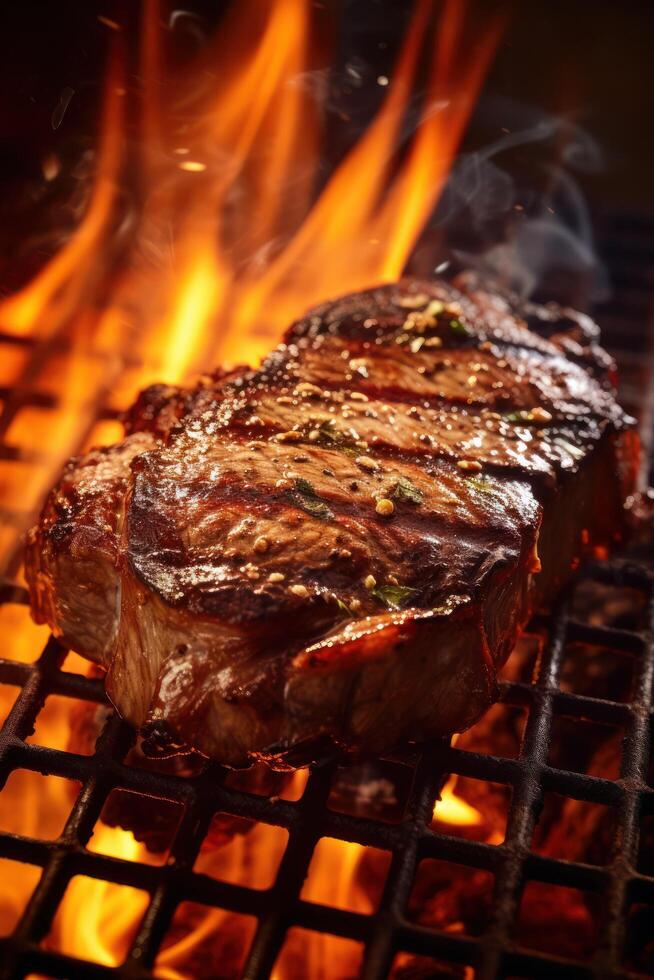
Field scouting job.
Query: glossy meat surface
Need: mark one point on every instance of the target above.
(335, 552)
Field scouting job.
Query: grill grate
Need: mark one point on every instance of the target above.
(384, 933)
(615, 886)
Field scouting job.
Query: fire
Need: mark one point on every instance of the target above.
(109, 920)
(225, 245)
(227, 242)
(453, 809)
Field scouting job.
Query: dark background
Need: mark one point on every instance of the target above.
(591, 59)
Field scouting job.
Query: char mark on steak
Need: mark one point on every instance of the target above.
(339, 548)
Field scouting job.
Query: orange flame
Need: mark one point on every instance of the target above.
(228, 245)
(454, 809)
(225, 247)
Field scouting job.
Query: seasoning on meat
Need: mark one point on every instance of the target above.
(336, 551)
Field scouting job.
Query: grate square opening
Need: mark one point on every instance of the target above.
(523, 662)
(8, 694)
(597, 672)
(151, 821)
(74, 664)
(574, 830)
(451, 897)
(499, 732)
(87, 720)
(374, 790)
(409, 966)
(639, 939)
(22, 484)
(586, 746)
(306, 953)
(12, 361)
(111, 915)
(293, 789)
(558, 920)
(10, 532)
(345, 875)
(59, 725)
(617, 606)
(242, 851)
(23, 878)
(475, 809)
(36, 806)
(29, 428)
(20, 637)
(205, 943)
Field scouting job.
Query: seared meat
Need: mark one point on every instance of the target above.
(154, 821)
(337, 550)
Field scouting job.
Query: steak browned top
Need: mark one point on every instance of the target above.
(383, 473)
(429, 403)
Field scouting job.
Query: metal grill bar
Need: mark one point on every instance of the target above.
(493, 954)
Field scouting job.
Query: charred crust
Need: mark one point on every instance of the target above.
(247, 523)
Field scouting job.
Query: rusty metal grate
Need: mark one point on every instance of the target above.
(615, 886)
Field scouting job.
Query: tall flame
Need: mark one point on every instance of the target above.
(228, 242)
(254, 140)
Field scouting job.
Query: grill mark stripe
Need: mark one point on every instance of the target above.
(266, 496)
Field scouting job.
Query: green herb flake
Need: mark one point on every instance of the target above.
(334, 439)
(343, 606)
(303, 486)
(306, 497)
(405, 490)
(457, 327)
(482, 485)
(394, 596)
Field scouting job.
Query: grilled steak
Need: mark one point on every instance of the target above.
(338, 549)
